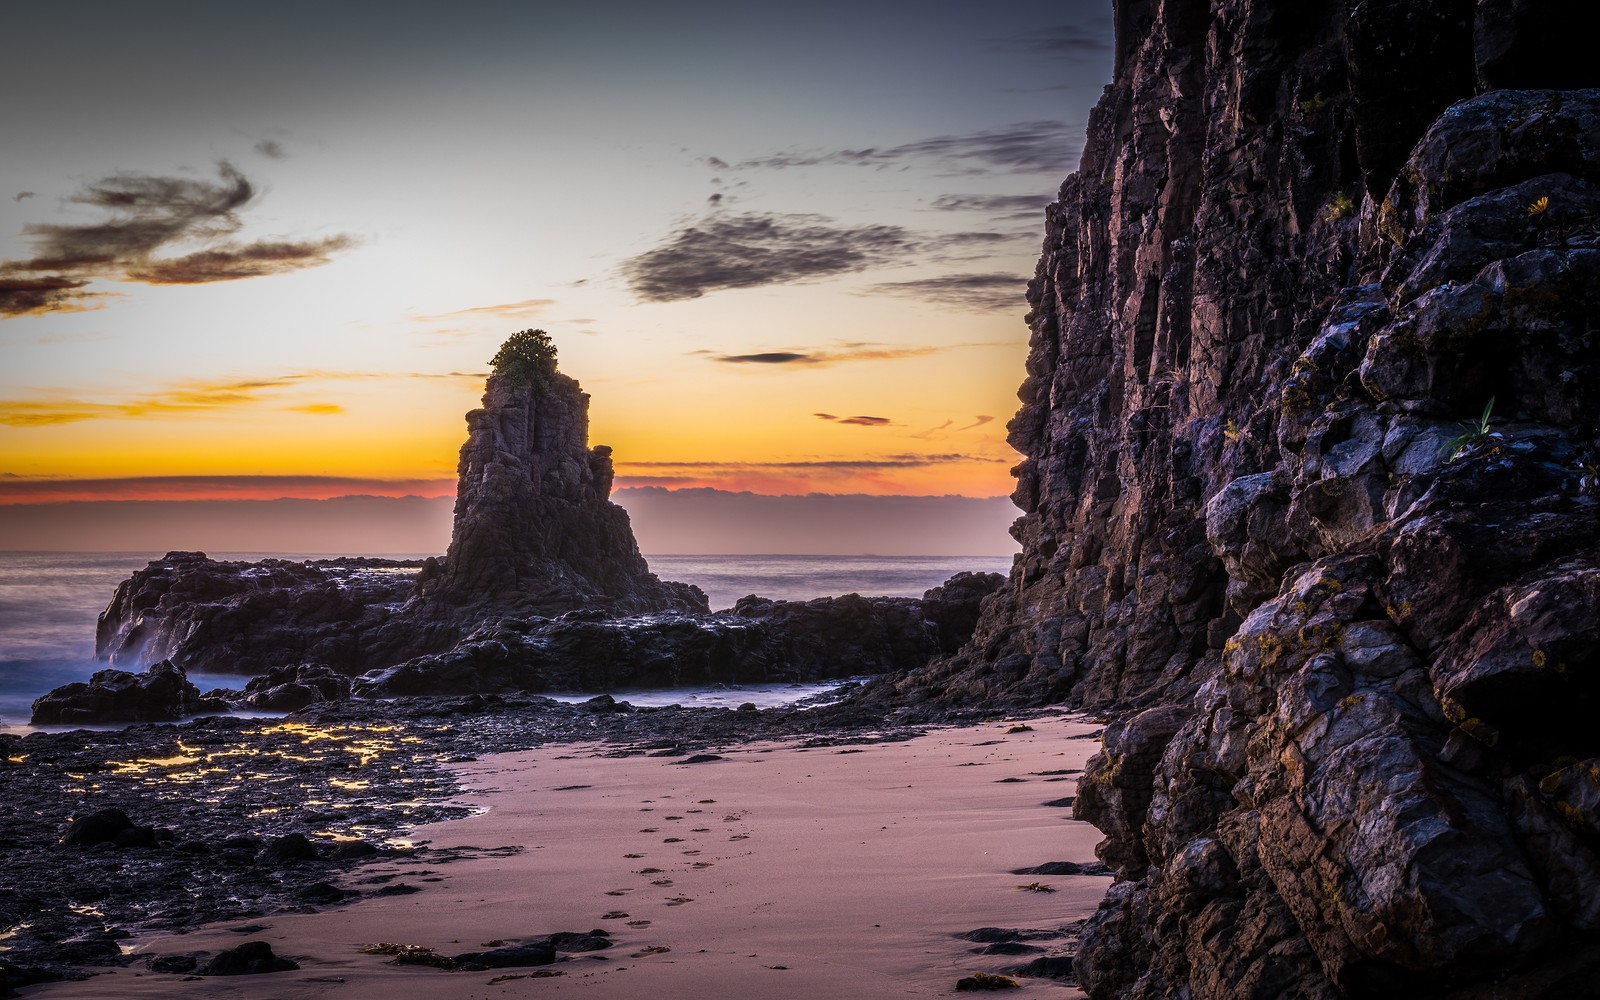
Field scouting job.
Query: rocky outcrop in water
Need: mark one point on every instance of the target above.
(543, 589)
(535, 533)
(160, 694)
(225, 617)
(1310, 498)
(758, 642)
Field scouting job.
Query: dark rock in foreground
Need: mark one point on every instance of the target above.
(759, 641)
(253, 958)
(160, 694)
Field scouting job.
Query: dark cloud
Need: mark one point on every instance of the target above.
(826, 356)
(20, 195)
(272, 149)
(1023, 147)
(770, 358)
(1071, 41)
(715, 199)
(866, 421)
(750, 250)
(21, 296)
(1000, 206)
(144, 215)
(229, 263)
(825, 416)
(977, 292)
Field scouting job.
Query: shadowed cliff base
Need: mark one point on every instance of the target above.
(1310, 498)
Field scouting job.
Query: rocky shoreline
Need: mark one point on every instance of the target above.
(226, 818)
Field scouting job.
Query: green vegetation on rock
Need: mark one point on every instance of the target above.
(528, 357)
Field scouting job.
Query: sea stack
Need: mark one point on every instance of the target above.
(535, 529)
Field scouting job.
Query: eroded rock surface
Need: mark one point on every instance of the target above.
(1311, 423)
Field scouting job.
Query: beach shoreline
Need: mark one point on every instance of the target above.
(772, 869)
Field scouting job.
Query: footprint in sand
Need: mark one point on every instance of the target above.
(619, 892)
(633, 855)
(702, 864)
(701, 829)
(651, 829)
(672, 817)
(679, 900)
(708, 802)
(691, 853)
(662, 881)
(673, 840)
(638, 923)
(619, 915)
(648, 871)
(740, 836)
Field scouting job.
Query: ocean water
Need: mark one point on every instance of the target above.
(49, 603)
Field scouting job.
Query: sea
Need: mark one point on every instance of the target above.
(49, 602)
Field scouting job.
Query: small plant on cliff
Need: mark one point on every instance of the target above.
(1473, 432)
(1339, 206)
(528, 357)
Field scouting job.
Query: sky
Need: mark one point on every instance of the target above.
(261, 251)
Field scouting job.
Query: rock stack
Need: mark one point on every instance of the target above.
(535, 529)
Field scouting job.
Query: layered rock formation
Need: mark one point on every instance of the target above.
(535, 529)
(1310, 425)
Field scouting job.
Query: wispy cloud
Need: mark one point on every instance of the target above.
(901, 461)
(975, 292)
(1042, 146)
(18, 489)
(769, 358)
(749, 250)
(504, 310)
(272, 149)
(843, 353)
(194, 396)
(145, 215)
(231, 262)
(1072, 41)
(977, 421)
(1010, 207)
(866, 421)
(319, 409)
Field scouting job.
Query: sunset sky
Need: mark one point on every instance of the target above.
(266, 251)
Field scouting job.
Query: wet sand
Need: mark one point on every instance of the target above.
(775, 871)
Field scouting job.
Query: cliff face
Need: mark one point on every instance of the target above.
(1350, 622)
(534, 526)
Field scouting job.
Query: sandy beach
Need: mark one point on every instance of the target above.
(772, 871)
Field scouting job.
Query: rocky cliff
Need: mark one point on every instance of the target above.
(1309, 496)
